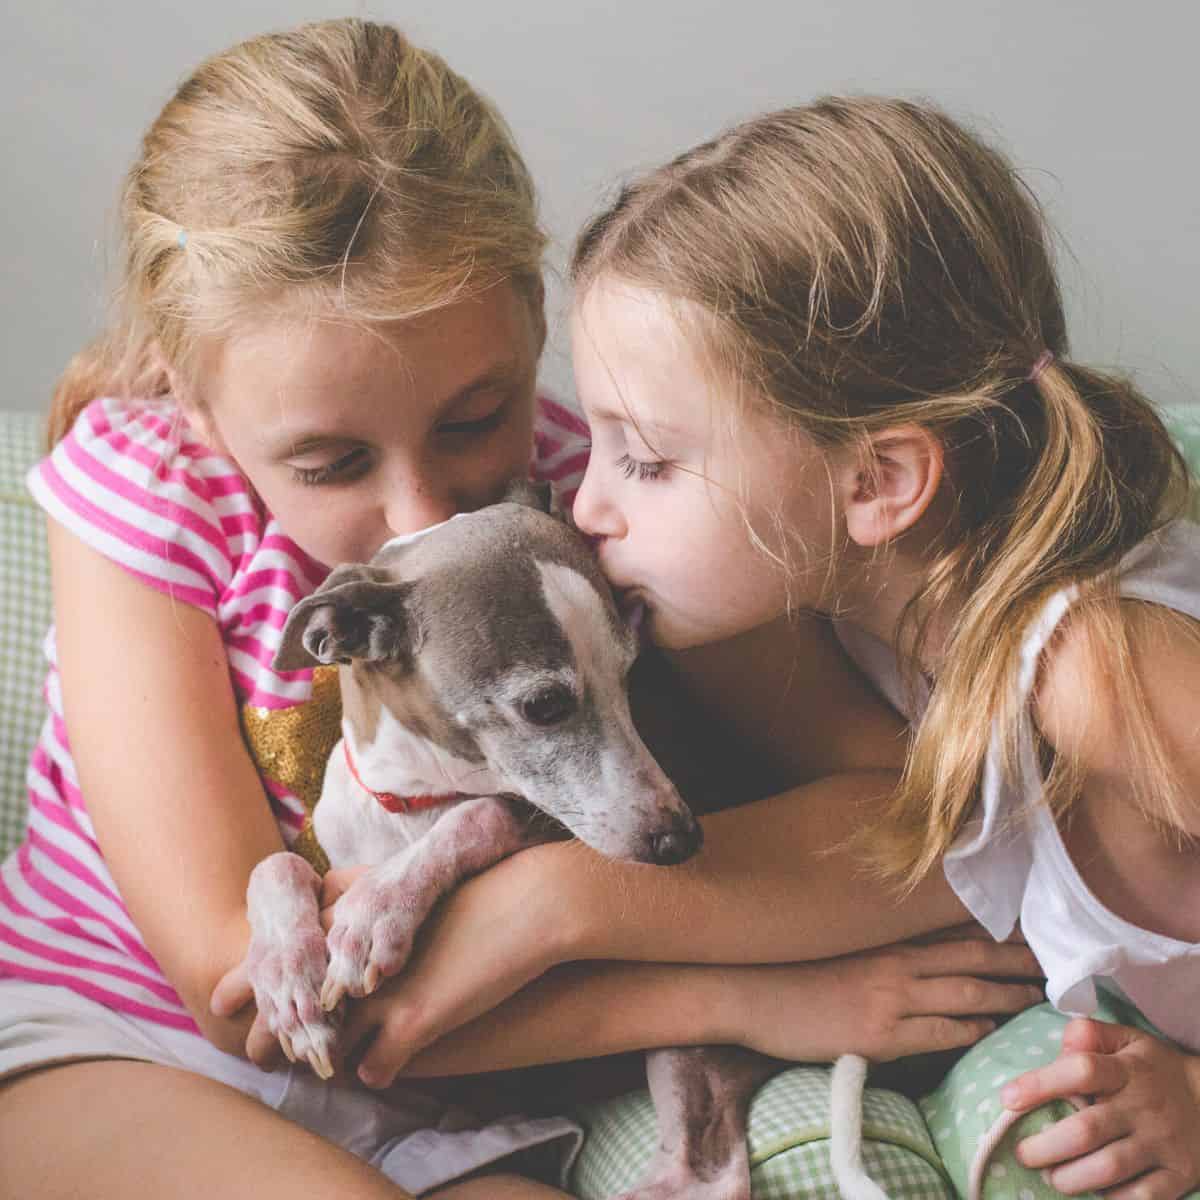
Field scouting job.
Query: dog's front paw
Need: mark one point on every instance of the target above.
(371, 938)
(286, 978)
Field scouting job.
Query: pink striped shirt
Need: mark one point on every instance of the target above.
(182, 519)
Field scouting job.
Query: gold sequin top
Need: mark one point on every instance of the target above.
(290, 747)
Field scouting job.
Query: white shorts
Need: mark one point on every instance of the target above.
(416, 1141)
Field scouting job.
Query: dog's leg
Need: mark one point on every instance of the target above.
(702, 1098)
(286, 959)
(375, 921)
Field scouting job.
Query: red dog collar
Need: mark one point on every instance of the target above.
(398, 804)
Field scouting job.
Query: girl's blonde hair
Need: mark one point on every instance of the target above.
(334, 164)
(861, 263)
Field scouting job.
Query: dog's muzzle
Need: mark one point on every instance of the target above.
(677, 844)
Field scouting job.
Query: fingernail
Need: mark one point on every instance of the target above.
(1009, 1095)
(373, 1079)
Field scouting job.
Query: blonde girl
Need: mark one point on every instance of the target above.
(824, 362)
(859, 295)
(328, 333)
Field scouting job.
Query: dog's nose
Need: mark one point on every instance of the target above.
(676, 845)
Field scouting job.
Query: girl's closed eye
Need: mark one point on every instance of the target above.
(469, 424)
(344, 469)
(643, 469)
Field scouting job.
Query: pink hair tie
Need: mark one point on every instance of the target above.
(1043, 361)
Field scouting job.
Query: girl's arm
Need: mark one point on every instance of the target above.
(178, 807)
(766, 888)
(882, 1004)
(776, 882)
(1134, 847)
(1143, 1117)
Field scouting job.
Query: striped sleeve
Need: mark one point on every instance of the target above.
(561, 445)
(126, 483)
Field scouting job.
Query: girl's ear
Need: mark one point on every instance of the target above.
(895, 481)
(196, 414)
(203, 428)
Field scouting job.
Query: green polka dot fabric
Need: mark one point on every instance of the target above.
(24, 616)
(963, 1109)
(789, 1143)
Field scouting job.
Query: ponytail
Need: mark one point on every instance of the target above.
(1076, 487)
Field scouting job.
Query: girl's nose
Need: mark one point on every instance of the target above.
(594, 514)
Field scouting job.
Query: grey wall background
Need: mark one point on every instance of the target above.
(1095, 99)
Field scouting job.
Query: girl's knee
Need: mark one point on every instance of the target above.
(174, 1134)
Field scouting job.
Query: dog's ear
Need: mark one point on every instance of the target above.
(357, 613)
(528, 493)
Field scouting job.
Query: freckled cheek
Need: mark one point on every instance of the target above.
(321, 528)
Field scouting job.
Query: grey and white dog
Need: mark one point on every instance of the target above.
(483, 676)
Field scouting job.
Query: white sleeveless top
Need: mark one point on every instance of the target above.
(1009, 862)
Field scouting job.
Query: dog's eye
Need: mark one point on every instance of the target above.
(549, 706)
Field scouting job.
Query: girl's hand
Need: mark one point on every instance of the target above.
(1141, 1135)
(487, 940)
(232, 994)
(493, 935)
(887, 1003)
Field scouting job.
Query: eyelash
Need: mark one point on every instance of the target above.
(482, 425)
(349, 465)
(629, 467)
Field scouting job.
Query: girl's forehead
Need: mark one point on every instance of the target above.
(331, 364)
(612, 305)
(639, 355)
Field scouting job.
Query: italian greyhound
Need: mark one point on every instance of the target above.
(483, 668)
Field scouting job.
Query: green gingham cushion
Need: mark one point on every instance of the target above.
(789, 1143)
(24, 616)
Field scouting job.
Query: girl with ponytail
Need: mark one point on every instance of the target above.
(841, 322)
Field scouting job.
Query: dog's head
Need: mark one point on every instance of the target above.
(495, 636)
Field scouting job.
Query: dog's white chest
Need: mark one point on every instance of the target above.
(353, 827)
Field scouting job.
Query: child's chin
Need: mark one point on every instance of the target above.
(656, 628)
(660, 632)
